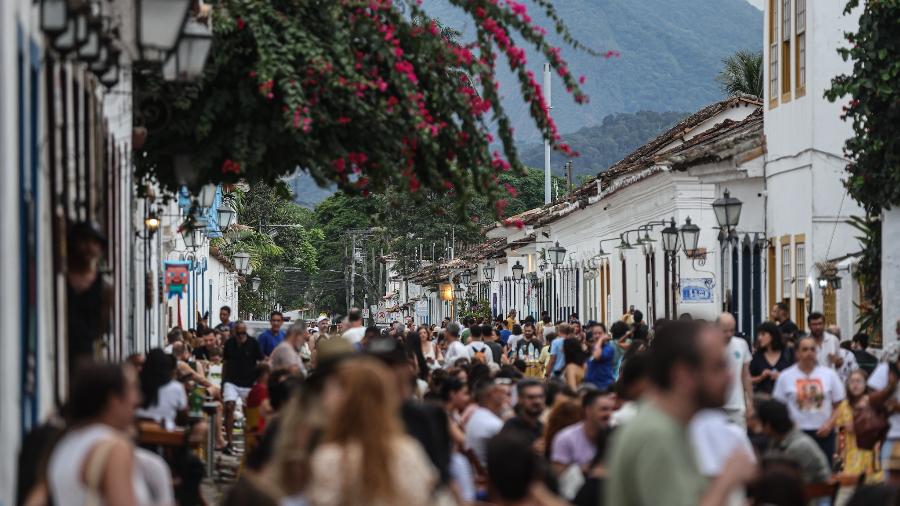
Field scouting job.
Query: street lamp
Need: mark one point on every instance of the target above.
(193, 48)
(192, 237)
(690, 236)
(670, 238)
(151, 222)
(465, 277)
(518, 271)
(557, 254)
(488, 272)
(623, 243)
(54, 17)
(728, 211)
(254, 283)
(225, 216)
(158, 24)
(241, 261)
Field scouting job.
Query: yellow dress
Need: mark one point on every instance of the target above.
(856, 461)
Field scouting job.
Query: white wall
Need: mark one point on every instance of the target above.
(890, 274)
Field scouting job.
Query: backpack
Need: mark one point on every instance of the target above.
(479, 356)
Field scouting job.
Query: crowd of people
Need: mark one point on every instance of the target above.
(502, 411)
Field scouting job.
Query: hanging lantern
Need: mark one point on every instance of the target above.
(241, 261)
(557, 254)
(465, 277)
(54, 17)
(488, 272)
(445, 291)
(670, 238)
(254, 283)
(192, 51)
(517, 271)
(225, 216)
(158, 24)
(690, 236)
(727, 210)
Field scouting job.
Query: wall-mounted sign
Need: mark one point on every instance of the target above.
(176, 277)
(422, 308)
(697, 290)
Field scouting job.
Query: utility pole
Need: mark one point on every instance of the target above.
(547, 172)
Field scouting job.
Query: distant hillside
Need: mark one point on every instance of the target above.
(670, 50)
(603, 145)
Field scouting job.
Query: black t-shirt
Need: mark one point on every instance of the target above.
(496, 351)
(517, 423)
(788, 328)
(201, 353)
(758, 364)
(591, 493)
(240, 361)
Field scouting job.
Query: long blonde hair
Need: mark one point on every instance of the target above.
(369, 417)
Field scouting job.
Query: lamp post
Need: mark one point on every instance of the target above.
(690, 237)
(188, 59)
(728, 211)
(254, 283)
(488, 272)
(241, 261)
(54, 17)
(225, 216)
(557, 254)
(518, 271)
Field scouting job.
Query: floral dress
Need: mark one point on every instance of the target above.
(856, 460)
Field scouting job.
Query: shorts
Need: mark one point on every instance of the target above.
(232, 392)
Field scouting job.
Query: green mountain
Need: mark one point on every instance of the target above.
(670, 51)
(605, 144)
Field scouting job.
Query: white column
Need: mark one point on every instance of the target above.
(890, 274)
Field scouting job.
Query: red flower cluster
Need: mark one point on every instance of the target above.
(231, 167)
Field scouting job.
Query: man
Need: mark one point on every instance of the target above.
(781, 314)
(714, 438)
(88, 295)
(272, 337)
(355, 332)
(885, 393)
(208, 336)
(786, 441)
(240, 356)
(529, 407)
(621, 340)
(490, 336)
(493, 400)
(287, 354)
(557, 361)
(322, 324)
(528, 350)
(225, 324)
(576, 443)
(827, 345)
(504, 330)
(639, 329)
(477, 350)
(455, 349)
(467, 322)
(651, 461)
(547, 326)
(600, 366)
(577, 330)
(859, 345)
(812, 393)
(739, 402)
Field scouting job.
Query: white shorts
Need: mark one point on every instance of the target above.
(232, 392)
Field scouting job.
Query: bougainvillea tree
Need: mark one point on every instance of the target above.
(873, 108)
(367, 94)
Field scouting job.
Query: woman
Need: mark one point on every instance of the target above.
(573, 374)
(164, 398)
(770, 359)
(856, 460)
(562, 415)
(95, 461)
(430, 350)
(365, 457)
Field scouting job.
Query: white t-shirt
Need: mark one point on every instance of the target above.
(549, 329)
(171, 398)
(455, 351)
(482, 425)
(830, 346)
(714, 439)
(738, 356)
(879, 381)
(479, 346)
(355, 334)
(809, 397)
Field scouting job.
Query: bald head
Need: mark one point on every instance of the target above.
(726, 324)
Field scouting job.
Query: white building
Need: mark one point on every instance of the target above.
(807, 205)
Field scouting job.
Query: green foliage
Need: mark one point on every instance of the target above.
(868, 274)
(874, 106)
(742, 74)
(874, 148)
(605, 144)
(364, 94)
(272, 249)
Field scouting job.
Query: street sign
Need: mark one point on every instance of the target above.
(697, 290)
(365, 313)
(422, 308)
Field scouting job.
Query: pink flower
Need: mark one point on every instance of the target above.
(240, 23)
(511, 190)
(339, 165)
(581, 79)
(343, 120)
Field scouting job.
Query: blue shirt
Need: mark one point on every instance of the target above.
(504, 336)
(556, 350)
(268, 341)
(600, 372)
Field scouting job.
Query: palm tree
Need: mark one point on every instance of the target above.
(742, 73)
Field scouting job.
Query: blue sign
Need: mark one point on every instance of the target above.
(697, 290)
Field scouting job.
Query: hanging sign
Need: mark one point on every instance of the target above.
(697, 290)
(177, 276)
